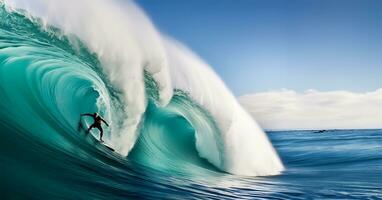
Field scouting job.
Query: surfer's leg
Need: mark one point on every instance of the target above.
(91, 126)
(100, 133)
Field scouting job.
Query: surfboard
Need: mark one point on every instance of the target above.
(103, 143)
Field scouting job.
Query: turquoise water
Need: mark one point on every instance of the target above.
(48, 78)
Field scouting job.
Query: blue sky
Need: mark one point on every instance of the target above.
(261, 45)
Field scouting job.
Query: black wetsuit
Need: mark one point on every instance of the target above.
(97, 123)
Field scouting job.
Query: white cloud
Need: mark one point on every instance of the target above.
(287, 109)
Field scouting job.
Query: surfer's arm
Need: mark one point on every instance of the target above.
(105, 122)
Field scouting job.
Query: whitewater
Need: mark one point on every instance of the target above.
(177, 130)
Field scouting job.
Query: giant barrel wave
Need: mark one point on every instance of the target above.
(168, 111)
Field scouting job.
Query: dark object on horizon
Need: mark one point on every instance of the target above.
(320, 131)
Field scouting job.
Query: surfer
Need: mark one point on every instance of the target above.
(97, 123)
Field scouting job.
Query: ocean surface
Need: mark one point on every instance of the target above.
(177, 130)
(337, 164)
